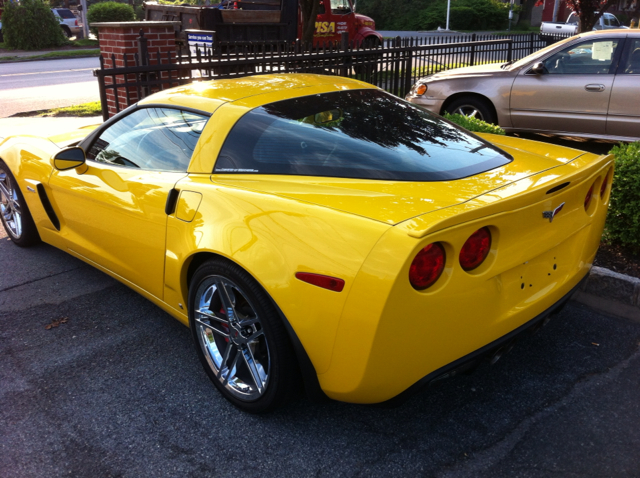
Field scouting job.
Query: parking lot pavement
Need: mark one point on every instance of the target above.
(116, 390)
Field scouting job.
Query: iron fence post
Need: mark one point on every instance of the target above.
(472, 59)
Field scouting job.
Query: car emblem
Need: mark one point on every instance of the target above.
(551, 214)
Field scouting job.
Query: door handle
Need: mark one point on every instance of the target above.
(172, 199)
(594, 87)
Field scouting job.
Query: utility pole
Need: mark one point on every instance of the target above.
(85, 25)
(448, 8)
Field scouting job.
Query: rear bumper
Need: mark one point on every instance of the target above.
(494, 349)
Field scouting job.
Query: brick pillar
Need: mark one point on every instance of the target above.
(119, 40)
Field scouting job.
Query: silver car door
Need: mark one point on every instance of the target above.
(624, 111)
(572, 95)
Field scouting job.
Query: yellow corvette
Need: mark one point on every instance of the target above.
(317, 230)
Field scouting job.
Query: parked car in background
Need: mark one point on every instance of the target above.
(607, 21)
(587, 85)
(316, 229)
(68, 21)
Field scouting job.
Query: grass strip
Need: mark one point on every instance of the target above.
(85, 109)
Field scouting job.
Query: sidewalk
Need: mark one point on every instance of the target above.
(44, 126)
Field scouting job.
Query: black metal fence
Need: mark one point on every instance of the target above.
(394, 66)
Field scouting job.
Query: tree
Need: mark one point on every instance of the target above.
(309, 10)
(588, 12)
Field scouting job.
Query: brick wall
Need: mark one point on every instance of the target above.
(119, 44)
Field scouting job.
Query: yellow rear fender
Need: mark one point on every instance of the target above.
(272, 238)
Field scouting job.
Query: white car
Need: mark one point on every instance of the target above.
(68, 21)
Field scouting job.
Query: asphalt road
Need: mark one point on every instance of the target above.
(117, 391)
(36, 85)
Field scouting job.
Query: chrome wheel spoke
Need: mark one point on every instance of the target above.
(210, 315)
(223, 292)
(233, 365)
(250, 361)
(212, 328)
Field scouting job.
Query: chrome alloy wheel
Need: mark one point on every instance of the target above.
(10, 206)
(232, 338)
(470, 111)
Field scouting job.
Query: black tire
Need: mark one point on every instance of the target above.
(14, 212)
(66, 31)
(241, 341)
(473, 106)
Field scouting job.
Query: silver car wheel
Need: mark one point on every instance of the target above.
(469, 110)
(232, 338)
(10, 207)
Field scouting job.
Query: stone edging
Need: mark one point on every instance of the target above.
(611, 292)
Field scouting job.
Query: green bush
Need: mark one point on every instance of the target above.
(109, 12)
(466, 15)
(623, 220)
(30, 25)
(474, 124)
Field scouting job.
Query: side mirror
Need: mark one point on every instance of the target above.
(69, 158)
(538, 68)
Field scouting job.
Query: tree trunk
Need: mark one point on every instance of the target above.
(309, 10)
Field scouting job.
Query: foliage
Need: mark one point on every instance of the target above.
(586, 11)
(474, 124)
(30, 25)
(431, 14)
(109, 12)
(623, 220)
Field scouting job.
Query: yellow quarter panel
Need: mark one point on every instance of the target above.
(273, 238)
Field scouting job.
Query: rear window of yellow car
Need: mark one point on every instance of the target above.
(367, 134)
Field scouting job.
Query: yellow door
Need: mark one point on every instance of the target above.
(116, 218)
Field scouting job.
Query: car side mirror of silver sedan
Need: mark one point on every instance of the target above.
(538, 68)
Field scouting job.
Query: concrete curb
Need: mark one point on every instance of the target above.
(611, 292)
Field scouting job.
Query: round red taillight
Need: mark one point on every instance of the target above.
(476, 249)
(603, 188)
(587, 199)
(427, 266)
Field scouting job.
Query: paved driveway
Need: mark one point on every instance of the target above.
(117, 390)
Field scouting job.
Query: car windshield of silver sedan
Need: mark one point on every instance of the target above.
(366, 134)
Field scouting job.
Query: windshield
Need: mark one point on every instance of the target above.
(367, 134)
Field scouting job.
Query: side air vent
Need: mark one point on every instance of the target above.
(557, 188)
(47, 206)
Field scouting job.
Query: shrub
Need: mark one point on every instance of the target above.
(474, 124)
(466, 15)
(109, 12)
(31, 25)
(623, 220)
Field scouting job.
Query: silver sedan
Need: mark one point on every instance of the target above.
(587, 85)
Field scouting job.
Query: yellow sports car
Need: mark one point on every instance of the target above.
(316, 230)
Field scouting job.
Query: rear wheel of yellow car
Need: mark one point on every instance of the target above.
(473, 107)
(240, 338)
(15, 215)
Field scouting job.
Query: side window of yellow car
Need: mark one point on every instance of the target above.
(594, 57)
(632, 66)
(158, 139)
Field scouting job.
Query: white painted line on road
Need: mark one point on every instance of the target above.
(47, 72)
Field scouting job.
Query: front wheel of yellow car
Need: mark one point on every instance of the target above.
(240, 338)
(15, 215)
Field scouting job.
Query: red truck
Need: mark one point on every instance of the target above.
(268, 20)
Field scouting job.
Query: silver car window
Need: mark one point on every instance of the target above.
(632, 65)
(593, 57)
